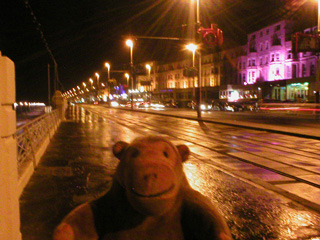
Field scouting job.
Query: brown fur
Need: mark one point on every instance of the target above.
(150, 199)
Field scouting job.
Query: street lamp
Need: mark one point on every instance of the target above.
(91, 81)
(129, 43)
(192, 47)
(199, 67)
(97, 75)
(149, 74)
(127, 76)
(149, 69)
(107, 65)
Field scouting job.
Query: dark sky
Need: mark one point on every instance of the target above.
(83, 34)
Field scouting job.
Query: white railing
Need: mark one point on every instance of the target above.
(32, 141)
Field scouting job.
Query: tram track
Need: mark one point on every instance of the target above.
(213, 141)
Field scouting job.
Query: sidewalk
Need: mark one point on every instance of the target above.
(73, 158)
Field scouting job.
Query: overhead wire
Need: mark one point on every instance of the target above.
(46, 45)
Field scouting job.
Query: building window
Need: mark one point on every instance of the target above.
(244, 65)
(240, 77)
(267, 45)
(261, 34)
(253, 62)
(239, 65)
(249, 63)
(260, 61)
(277, 56)
(276, 40)
(277, 28)
(289, 55)
(211, 82)
(267, 59)
(243, 77)
(272, 57)
(267, 32)
(170, 77)
(261, 46)
(312, 71)
(304, 70)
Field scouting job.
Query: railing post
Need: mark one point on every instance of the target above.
(9, 200)
(60, 104)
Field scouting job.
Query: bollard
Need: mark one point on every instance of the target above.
(9, 200)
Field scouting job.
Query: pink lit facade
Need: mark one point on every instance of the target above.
(265, 68)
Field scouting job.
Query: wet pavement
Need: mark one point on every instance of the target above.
(78, 165)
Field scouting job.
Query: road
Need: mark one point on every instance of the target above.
(248, 174)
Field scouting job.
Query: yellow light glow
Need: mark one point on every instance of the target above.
(148, 67)
(129, 43)
(192, 47)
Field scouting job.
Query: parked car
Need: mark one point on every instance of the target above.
(233, 107)
(218, 106)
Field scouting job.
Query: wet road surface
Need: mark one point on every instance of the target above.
(78, 165)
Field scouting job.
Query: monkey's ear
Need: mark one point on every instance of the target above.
(119, 148)
(184, 152)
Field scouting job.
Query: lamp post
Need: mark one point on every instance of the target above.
(127, 76)
(198, 23)
(98, 84)
(148, 67)
(97, 75)
(192, 47)
(107, 65)
(129, 43)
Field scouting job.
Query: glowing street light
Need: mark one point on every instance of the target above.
(129, 43)
(91, 81)
(84, 84)
(149, 69)
(127, 76)
(97, 75)
(107, 65)
(193, 48)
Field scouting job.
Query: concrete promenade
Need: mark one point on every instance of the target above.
(70, 171)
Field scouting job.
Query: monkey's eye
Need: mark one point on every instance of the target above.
(165, 154)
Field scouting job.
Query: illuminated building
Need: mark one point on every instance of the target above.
(265, 68)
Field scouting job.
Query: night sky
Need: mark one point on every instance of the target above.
(83, 34)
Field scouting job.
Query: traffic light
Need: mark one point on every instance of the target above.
(211, 37)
